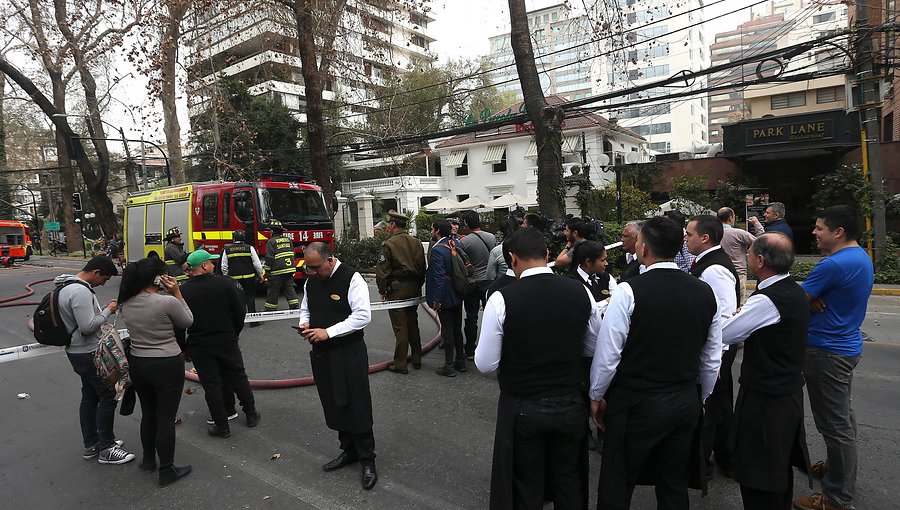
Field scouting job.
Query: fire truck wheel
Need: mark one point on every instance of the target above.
(28, 252)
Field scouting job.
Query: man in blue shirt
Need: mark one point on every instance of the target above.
(838, 290)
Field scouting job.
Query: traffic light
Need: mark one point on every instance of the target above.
(76, 201)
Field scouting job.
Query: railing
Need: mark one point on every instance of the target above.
(407, 182)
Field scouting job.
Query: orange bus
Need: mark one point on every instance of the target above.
(14, 240)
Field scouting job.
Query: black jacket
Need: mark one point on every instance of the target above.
(218, 307)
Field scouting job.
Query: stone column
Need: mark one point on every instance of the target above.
(366, 225)
(340, 218)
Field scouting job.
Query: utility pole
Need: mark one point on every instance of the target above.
(869, 106)
(129, 164)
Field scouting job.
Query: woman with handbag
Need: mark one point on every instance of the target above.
(156, 362)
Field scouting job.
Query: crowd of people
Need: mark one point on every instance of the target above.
(637, 367)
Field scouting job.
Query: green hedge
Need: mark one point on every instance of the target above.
(360, 253)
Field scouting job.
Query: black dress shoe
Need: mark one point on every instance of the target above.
(253, 419)
(417, 366)
(170, 474)
(460, 366)
(148, 465)
(216, 431)
(344, 459)
(393, 368)
(369, 475)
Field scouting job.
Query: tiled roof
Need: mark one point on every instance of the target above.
(572, 121)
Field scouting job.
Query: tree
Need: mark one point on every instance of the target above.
(600, 203)
(6, 196)
(546, 119)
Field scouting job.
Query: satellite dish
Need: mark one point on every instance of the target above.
(603, 160)
(632, 157)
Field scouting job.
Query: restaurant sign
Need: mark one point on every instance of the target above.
(783, 133)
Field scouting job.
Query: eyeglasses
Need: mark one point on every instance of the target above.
(309, 267)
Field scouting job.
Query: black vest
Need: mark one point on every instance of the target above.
(774, 355)
(601, 284)
(721, 258)
(328, 302)
(240, 262)
(546, 320)
(669, 326)
(630, 270)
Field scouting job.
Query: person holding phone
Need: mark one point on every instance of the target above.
(155, 360)
(333, 313)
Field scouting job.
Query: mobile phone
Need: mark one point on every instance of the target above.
(298, 328)
(158, 281)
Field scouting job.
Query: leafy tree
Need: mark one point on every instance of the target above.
(690, 194)
(600, 203)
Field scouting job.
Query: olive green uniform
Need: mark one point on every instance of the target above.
(280, 269)
(399, 274)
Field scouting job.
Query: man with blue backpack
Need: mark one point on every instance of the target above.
(82, 316)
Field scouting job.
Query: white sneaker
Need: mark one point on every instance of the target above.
(115, 455)
(90, 453)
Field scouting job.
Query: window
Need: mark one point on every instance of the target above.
(463, 169)
(790, 100)
(660, 146)
(822, 18)
(226, 210)
(460, 198)
(830, 95)
(653, 129)
(210, 211)
(419, 41)
(889, 127)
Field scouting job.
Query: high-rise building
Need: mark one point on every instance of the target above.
(564, 52)
(256, 43)
(782, 23)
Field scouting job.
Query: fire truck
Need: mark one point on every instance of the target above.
(14, 240)
(208, 213)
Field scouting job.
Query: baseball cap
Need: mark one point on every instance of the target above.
(198, 257)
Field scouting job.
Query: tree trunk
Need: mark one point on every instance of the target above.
(167, 83)
(546, 119)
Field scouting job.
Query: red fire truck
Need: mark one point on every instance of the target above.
(207, 214)
(14, 240)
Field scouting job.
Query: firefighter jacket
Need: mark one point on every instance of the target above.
(280, 256)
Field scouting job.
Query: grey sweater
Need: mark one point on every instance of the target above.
(78, 306)
(151, 320)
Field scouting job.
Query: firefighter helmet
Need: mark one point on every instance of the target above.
(276, 225)
(173, 233)
(239, 235)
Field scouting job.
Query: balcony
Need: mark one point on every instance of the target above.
(393, 184)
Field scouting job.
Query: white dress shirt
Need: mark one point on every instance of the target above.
(257, 265)
(357, 297)
(758, 312)
(587, 279)
(490, 341)
(614, 332)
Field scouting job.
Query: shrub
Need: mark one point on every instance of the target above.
(360, 253)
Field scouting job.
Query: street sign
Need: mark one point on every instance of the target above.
(51, 226)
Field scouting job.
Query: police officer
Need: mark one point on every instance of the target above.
(280, 268)
(241, 263)
(399, 274)
(176, 257)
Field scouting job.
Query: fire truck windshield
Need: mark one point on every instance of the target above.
(292, 206)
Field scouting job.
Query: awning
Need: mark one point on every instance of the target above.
(532, 150)
(494, 154)
(570, 144)
(454, 160)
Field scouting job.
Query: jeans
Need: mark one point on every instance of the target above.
(451, 332)
(473, 304)
(828, 381)
(98, 404)
(548, 442)
(158, 383)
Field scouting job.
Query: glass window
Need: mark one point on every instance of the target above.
(790, 100)
(291, 206)
(460, 198)
(210, 213)
(830, 95)
(463, 169)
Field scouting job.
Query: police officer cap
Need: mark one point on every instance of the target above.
(394, 215)
(173, 233)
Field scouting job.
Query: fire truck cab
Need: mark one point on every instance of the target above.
(207, 214)
(14, 240)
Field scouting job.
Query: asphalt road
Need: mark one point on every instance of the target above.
(433, 435)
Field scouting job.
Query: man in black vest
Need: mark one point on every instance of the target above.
(714, 266)
(540, 444)
(241, 263)
(660, 338)
(333, 313)
(628, 262)
(768, 435)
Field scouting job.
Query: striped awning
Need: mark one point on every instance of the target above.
(532, 150)
(494, 154)
(454, 159)
(570, 144)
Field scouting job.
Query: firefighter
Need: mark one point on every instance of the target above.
(241, 263)
(176, 256)
(280, 268)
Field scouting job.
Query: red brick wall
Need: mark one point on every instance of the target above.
(890, 164)
(717, 169)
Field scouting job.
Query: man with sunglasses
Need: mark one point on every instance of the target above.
(333, 313)
(212, 340)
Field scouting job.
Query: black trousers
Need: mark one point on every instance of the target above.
(547, 445)
(451, 332)
(217, 363)
(362, 444)
(755, 499)
(249, 287)
(719, 408)
(473, 304)
(158, 383)
(648, 436)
